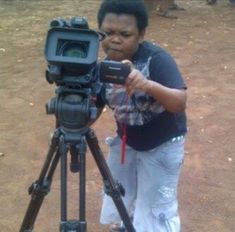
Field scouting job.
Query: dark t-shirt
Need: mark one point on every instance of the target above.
(146, 122)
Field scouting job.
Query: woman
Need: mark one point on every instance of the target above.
(150, 117)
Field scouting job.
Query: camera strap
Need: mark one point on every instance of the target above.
(124, 136)
(123, 128)
(123, 147)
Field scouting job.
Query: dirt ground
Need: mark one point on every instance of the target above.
(202, 40)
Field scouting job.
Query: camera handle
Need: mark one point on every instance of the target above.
(60, 145)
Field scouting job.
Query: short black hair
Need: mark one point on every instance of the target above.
(130, 7)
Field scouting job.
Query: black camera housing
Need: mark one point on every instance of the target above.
(71, 50)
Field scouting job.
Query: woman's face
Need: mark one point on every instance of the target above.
(122, 36)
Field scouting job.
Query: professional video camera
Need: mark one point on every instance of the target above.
(71, 51)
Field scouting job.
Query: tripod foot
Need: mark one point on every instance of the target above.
(72, 226)
(167, 14)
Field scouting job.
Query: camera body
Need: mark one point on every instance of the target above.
(71, 51)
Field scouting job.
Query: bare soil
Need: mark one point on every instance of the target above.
(202, 40)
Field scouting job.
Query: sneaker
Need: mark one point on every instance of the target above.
(174, 6)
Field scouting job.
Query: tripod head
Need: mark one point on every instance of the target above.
(74, 108)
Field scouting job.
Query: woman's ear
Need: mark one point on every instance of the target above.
(141, 35)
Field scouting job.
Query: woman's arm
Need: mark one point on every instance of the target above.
(173, 100)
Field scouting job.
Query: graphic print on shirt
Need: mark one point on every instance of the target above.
(136, 110)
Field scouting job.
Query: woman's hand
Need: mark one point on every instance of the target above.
(173, 100)
(135, 80)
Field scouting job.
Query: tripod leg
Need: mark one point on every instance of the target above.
(82, 185)
(114, 188)
(40, 188)
(78, 152)
(63, 151)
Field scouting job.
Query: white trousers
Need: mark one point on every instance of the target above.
(150, 179)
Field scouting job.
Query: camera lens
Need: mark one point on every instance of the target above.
(74, 49)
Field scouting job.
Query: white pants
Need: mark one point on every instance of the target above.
(150, 179)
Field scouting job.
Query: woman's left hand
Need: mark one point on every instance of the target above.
(135, 80)
(173, 100)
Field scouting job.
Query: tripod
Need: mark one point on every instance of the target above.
(62, 142)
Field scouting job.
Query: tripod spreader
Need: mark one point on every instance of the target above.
(118, 189)
(40, 189)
